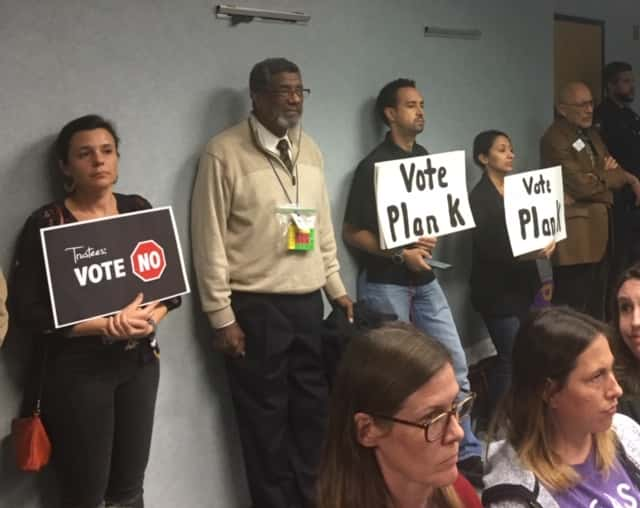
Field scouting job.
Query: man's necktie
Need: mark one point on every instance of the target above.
(283, 148)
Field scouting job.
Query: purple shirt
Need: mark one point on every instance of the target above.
(597, 491)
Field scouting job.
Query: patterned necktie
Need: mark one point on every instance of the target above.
(283, 148)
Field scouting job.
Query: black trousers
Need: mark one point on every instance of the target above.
(582, 287)
(97, 406)
(280, 394)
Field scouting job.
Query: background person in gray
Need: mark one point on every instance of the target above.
(260, 274)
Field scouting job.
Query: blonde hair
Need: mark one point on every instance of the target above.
(546, 348)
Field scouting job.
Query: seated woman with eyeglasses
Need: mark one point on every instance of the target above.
(626, 342)
(565, 445)
(394, 426)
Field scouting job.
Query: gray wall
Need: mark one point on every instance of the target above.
(171, 75)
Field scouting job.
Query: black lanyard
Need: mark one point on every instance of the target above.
(275, 172)
(297, 184)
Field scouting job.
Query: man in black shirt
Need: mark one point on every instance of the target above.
(620, 130)
(401, 281)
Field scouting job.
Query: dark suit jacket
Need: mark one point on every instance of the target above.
(589, 185)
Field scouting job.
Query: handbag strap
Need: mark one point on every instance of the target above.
(45, 353)
(36, 409)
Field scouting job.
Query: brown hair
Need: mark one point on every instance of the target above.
(63, 141)
(627, 364)
(379, 370)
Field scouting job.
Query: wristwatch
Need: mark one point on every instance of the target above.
(397, 257)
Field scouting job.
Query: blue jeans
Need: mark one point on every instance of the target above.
(503, 330)
(427, 308)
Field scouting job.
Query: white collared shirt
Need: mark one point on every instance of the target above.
(269, 140)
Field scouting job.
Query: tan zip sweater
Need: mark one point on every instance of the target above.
(238, 243)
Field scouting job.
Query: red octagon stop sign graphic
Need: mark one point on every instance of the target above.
(148, 261)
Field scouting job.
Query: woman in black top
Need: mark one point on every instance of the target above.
(100, 376)
(502, 287)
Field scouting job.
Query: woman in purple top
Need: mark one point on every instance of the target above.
(565, 445)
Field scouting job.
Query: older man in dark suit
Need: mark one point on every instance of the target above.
(589, 174)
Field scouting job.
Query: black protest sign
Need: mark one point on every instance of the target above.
(95, 268)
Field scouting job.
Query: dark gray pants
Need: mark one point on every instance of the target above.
(98, 406)
(280, 394)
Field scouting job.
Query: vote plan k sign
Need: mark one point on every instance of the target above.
(534, 209)
(421, 196)
(95, 268)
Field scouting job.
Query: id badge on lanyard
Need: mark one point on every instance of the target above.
(300, 224)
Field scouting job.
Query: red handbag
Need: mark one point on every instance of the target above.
(30, 439)
(33, 448)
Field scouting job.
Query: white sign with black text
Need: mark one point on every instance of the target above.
(421, 196)
(534, 209)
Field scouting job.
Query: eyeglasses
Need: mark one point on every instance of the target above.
(286, 93)
(435, 427)
(581, 105)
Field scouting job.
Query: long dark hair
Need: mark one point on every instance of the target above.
(627, 364)
(378, 372)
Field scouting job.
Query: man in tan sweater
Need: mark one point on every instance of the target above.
(263, 248)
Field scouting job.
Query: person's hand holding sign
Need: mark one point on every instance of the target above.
(427, 242)
(414, 258)
(547, 251)
(133, 321)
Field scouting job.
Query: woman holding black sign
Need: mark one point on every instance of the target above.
(503, 287)
(100, 376)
